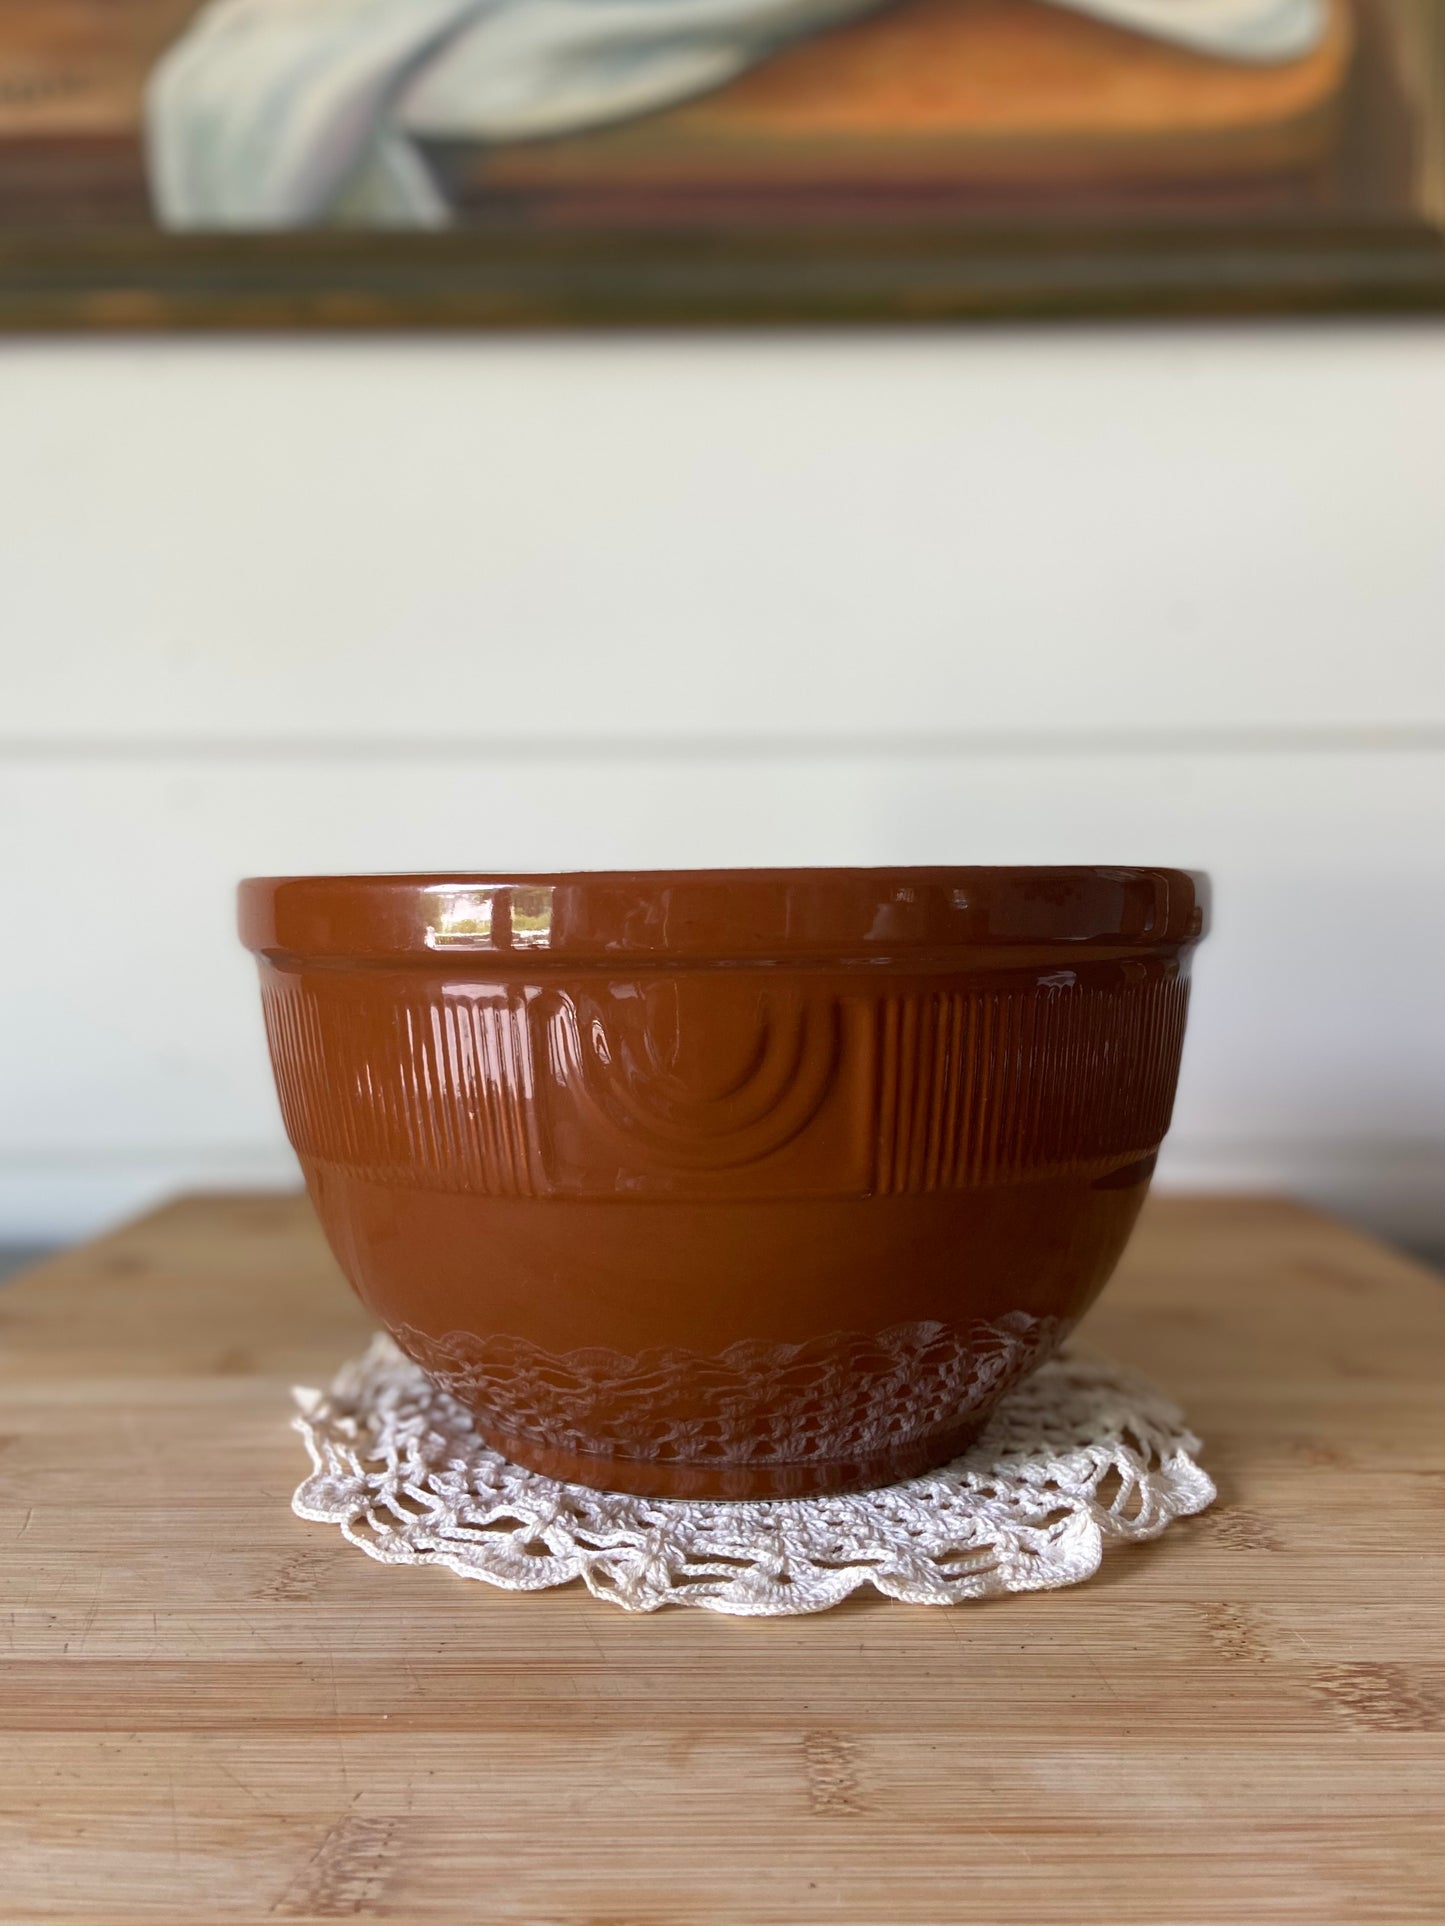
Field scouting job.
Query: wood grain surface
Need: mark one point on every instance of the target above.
(213, 1711)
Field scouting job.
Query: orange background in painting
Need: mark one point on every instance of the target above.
(926, 75)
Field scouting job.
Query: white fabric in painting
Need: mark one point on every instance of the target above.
(297, 113)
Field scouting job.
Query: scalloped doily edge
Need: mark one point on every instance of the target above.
(1083, 1452)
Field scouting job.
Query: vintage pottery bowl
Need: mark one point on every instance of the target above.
(729, 1183)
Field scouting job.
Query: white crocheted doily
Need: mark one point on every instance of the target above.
(1079, 1453)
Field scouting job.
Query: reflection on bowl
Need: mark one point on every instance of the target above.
(729, 1183)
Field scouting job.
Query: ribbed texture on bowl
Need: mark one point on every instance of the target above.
(939, 1089)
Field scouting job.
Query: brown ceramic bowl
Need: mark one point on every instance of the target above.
(732, 1183)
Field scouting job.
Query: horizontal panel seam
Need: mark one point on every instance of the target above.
(1146, 740)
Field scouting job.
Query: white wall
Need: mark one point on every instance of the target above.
(983, 596)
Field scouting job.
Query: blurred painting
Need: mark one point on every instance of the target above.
(512, 160)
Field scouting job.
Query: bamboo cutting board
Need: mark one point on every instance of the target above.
(209, 1710)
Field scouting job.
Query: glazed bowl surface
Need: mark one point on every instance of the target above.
(727, 1183)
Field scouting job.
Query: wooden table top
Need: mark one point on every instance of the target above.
(211, 1710)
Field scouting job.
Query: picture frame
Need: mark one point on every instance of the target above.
(1335, 206)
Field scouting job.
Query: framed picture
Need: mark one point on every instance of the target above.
(452, 162)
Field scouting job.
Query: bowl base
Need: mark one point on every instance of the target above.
(653, 1478)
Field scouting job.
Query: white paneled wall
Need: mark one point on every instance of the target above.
(1030, 596)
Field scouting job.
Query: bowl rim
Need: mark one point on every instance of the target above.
(844, 913)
